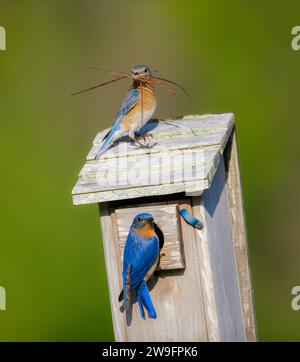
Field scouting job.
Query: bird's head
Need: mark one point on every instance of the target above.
(141, 220)
(140, 71)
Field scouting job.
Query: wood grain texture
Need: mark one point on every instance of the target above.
(176, 294)
(218, 267)
(206, 273)
(126, 171)
(239, 233)
(113, 270)
(170, 128)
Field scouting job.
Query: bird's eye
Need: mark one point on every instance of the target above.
(146, 70)
(139, 219)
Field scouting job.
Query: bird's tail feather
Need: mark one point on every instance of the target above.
(145, 299)
(103, 148)
(126, 289)
(108, 139)
(140, 303)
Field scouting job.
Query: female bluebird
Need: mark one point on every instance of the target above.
(139, 263)
(136, 109)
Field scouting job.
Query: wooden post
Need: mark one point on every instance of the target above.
(202, 289)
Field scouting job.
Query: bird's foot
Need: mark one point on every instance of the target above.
(144, 145)
(145, 137)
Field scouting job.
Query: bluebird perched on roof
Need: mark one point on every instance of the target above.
(138, 105)
(136, 109)
(140, 259)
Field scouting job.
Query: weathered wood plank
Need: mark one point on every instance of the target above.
(148, 162)
(125, 193)
(186, 141)
(206, 273)
(219, 268)
(239, 233)
(113, 271)
(193, 124)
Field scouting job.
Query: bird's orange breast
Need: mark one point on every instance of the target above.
(147, 98)
(142, 110)
(147, 231)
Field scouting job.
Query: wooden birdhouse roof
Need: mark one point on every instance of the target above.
(183, 158)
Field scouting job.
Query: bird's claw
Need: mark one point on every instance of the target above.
(145, 137)
(148, 136)
(145, 145)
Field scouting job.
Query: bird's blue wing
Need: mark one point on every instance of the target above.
(144, 298)
(140, 255)
(128, 103)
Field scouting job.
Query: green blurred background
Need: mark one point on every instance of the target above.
(230, 55)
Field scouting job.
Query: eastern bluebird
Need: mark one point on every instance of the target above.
(136, 109)
(140, 259)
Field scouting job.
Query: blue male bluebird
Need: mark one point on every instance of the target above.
(140, 259)
(136, 109)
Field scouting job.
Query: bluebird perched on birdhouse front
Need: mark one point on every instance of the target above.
(140, 259)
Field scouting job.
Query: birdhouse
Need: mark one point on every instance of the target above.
(202, 286)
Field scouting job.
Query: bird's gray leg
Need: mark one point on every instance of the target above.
(140, 144)
(148, 136)
(145, 137)
(136, 141)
